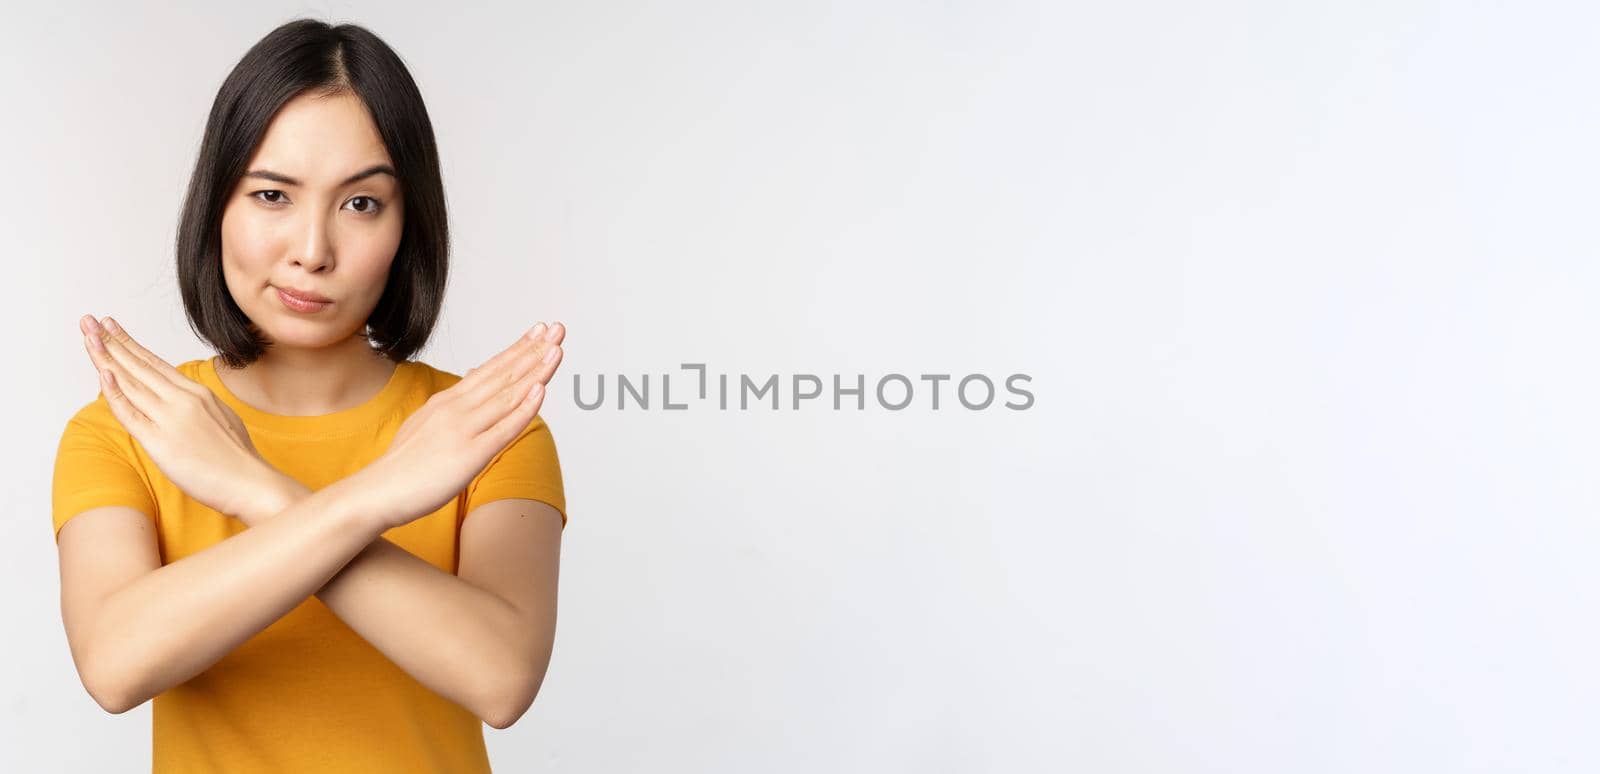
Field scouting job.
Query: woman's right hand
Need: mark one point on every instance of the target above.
(451, 438)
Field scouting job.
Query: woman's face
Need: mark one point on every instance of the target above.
(312, 216)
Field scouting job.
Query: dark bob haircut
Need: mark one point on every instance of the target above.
(307, 55)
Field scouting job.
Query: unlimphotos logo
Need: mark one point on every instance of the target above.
(893, 391)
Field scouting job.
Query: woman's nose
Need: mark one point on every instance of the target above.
(315, 247)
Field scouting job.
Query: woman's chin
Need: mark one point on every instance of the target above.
(305, 335)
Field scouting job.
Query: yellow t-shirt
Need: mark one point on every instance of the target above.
(307, 693)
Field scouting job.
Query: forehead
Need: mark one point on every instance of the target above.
(320, 140)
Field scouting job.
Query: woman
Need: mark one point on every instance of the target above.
(312, 552)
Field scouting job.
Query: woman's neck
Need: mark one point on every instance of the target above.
(310, 382)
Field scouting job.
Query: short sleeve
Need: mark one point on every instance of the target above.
(95, 467)
(527, 468)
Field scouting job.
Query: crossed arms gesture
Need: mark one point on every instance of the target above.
(481, 638)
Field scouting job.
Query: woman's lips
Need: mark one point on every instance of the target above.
(299, 304)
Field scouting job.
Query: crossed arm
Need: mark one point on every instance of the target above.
(482, 639)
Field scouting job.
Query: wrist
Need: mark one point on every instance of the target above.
(356, 495)
(274, 492)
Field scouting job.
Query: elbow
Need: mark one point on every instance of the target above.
(502, 720)
(111, 694)
(511, 703)
(110, 688)
(114, 703)
(513, 682)
(509, 710)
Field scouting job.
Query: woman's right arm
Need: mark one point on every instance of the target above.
(137, 628)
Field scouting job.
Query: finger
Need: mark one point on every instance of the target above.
(128, 384)
(149, 376)
(168, 382)
(548, 364)
(511, 377)
(142, 384)
(553, 353)
(153, 371)
(555, 333)
(550, 353)
(493, 375)
(150, 358)
(172, 375)
(530, 336)
(123, 409)
(479, 418)
(103, 348)
(506, 428)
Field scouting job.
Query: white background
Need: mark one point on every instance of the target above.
(1304, 289)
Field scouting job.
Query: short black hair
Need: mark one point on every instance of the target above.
(308, 55)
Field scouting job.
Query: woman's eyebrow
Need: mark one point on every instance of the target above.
(278, 177)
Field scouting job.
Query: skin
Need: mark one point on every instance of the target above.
(320, 235)
(481, 638)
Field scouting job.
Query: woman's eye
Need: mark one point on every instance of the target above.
(262, 195)
(372, 205)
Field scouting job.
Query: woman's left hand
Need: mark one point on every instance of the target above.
(195, 438)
